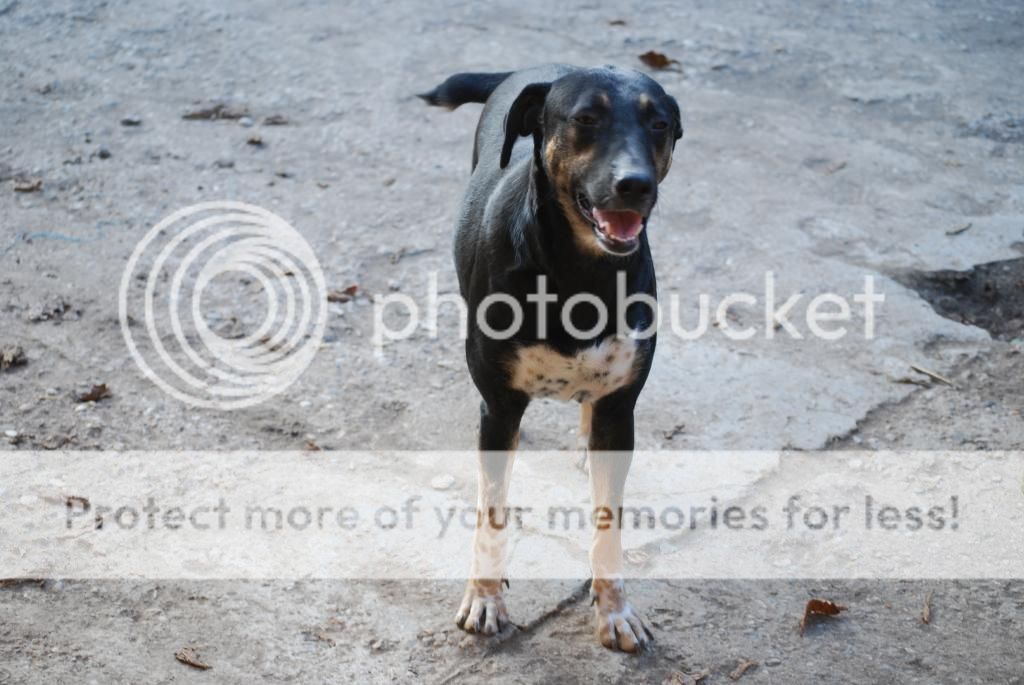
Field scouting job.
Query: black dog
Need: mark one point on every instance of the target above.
(550, 237)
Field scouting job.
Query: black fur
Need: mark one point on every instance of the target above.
(462, 88)
(512, 227)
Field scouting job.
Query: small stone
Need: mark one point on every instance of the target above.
(442, 482)
(11, 433)
(131, 121)
(225, 164)
(773, 661)
(247, 122)
(103, 153)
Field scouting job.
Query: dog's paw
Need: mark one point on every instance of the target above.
(619, 626)
(483, 608)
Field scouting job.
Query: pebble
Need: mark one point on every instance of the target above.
(442, 482)
(247, 122)
(225, 164)
(131, 121)
(773, 661)
(103, 153)
(11, 433)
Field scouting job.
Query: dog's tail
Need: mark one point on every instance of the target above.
(462, 88)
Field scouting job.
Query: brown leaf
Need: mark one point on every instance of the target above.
(98, 392)
(12, 356)
(28, 185)
(255, 141)
(276, 120)
(819, 607)
(189, 656)
(214, 112)
(657, 60)
(680, 678)
(926, 612)
(343, 295)
(311, 446)
(742, 667)
(20, 582)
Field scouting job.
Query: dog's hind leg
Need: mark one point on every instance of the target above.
(619, 626)
(483, 606)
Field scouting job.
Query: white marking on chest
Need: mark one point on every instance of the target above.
(592, 373)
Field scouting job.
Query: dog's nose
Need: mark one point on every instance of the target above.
(635, 186)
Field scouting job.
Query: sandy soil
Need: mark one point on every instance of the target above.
(825, 141)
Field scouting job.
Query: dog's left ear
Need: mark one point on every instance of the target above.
(674, 106)
(523, 117)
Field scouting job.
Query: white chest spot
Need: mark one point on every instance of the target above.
(540, 371)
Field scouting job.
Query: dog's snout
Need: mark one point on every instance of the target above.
(635, 186)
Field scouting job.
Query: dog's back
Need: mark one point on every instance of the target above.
(496, 91)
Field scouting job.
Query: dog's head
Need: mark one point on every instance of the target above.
(604, 138)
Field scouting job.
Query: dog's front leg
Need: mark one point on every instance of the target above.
(483, 607)
(619, 626)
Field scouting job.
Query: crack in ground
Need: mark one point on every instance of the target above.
(503, 640)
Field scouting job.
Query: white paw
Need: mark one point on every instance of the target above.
(483, 608)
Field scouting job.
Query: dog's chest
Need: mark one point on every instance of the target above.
(590, 374)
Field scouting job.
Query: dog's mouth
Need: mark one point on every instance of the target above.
(617, 230)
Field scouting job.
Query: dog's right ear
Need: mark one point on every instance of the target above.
(523, 117)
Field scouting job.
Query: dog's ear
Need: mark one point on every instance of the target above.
(523, 117)
(674, 106)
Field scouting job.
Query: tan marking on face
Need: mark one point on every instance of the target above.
(586, 377)
(562, 164)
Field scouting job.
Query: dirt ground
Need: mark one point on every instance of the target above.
(824, 141)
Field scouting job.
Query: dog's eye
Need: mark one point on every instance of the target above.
(585, 120)
(659, 125)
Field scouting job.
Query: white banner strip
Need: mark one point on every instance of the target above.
(219, 515)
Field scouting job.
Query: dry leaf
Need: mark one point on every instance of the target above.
(343, 295)
(680, 678)
(742, 667)
(28, 185)
(959, 229)
(926, 612)
(19, 582)
(189, 656)
(312, 446)
(98, 392)
(657, 60)
(217, 111)
(255, 141)
(12, 356)
(819, 607)
(276, 120)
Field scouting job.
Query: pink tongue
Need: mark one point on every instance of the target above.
(619, 224)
